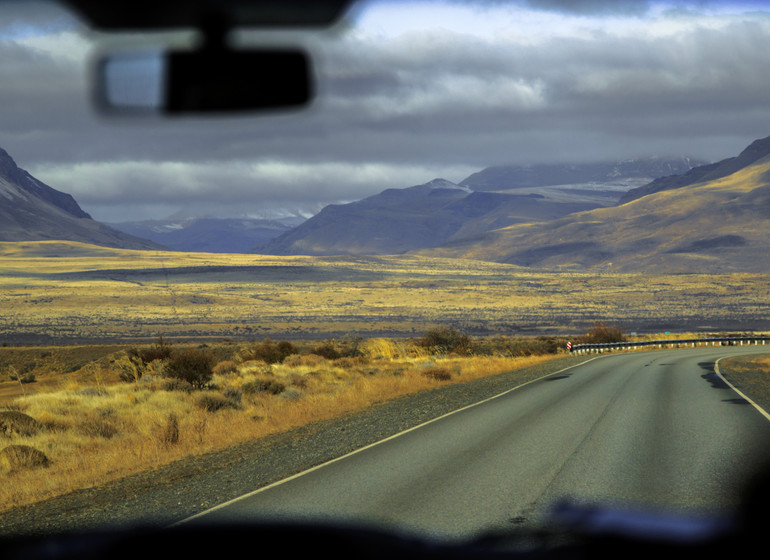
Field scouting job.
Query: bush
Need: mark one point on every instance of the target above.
(13, 422)
(438, 373)
(550, 344)
(286, 348)
(26, 378)
(233, 394)
(158, 351)
(263, 386)
(291, 394)
(327, 350)
(177, 385)
(21, 457)
(169, 432)
(270, 352)
(96, 427)
(213, 402)
(193, 365)
(129, 366)
(602, 333)
(226, 367)
(517, 347)
(443, 340)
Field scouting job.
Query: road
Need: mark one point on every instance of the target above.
(658, 428)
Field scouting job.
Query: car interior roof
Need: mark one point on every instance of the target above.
(127, 15)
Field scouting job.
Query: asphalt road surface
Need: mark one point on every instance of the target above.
(658, 429)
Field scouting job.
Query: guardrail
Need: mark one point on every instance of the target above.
(678, 343)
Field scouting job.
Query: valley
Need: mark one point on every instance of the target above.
(67, 292)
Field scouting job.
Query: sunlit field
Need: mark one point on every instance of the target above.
(69, 292)
(128, 410)
(90, 337)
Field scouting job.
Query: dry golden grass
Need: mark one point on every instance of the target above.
(94, 432)
(96, 428)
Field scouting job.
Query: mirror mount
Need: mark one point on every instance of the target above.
(213, 78)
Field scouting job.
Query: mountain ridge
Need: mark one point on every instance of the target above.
(719, 225)
(755, 151)
(30, 210)
(509, 177)
(440, 211)
(209, 235)
(399, 220)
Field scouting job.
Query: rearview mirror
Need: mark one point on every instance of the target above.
(203, 81)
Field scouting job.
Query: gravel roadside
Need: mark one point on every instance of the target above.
(182, 489)
(749, 376)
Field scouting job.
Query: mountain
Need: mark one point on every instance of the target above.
(429, 215)
(754, 152)
(210, 235)
(720, 225)
(32, 211)
(623, 174)
(399, 220)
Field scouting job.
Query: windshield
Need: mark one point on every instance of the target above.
(294, 313)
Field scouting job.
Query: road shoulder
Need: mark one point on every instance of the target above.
(185, 488)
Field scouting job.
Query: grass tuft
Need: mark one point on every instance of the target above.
(94, 427)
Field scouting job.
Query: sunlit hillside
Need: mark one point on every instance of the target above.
(714, 227)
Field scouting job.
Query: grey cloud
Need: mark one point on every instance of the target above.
(584, 7)
(398, 112)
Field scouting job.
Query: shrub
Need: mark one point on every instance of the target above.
(382, 348)
(263, 386)
(91, 392)
(438, 373)
(351, 363)
(327, 350)
(270, 352)
(292, 394)
(192, 365)
(98, 428)
(306, 360)
(28, 377)
(550, 344)
(233, 394)
(158, 351)
(20, 457)
(13, 422)
(169, 433)
(601, 333)
(352, 346)
(129, 366)
(349, 347)
(177, 385)
(443, 340)
(515, 347)
(226, 367)
(212, 402)
(286, 348)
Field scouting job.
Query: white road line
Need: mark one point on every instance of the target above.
(761, 410)
(279, 482)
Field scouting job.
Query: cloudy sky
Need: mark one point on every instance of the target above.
(406, 92)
